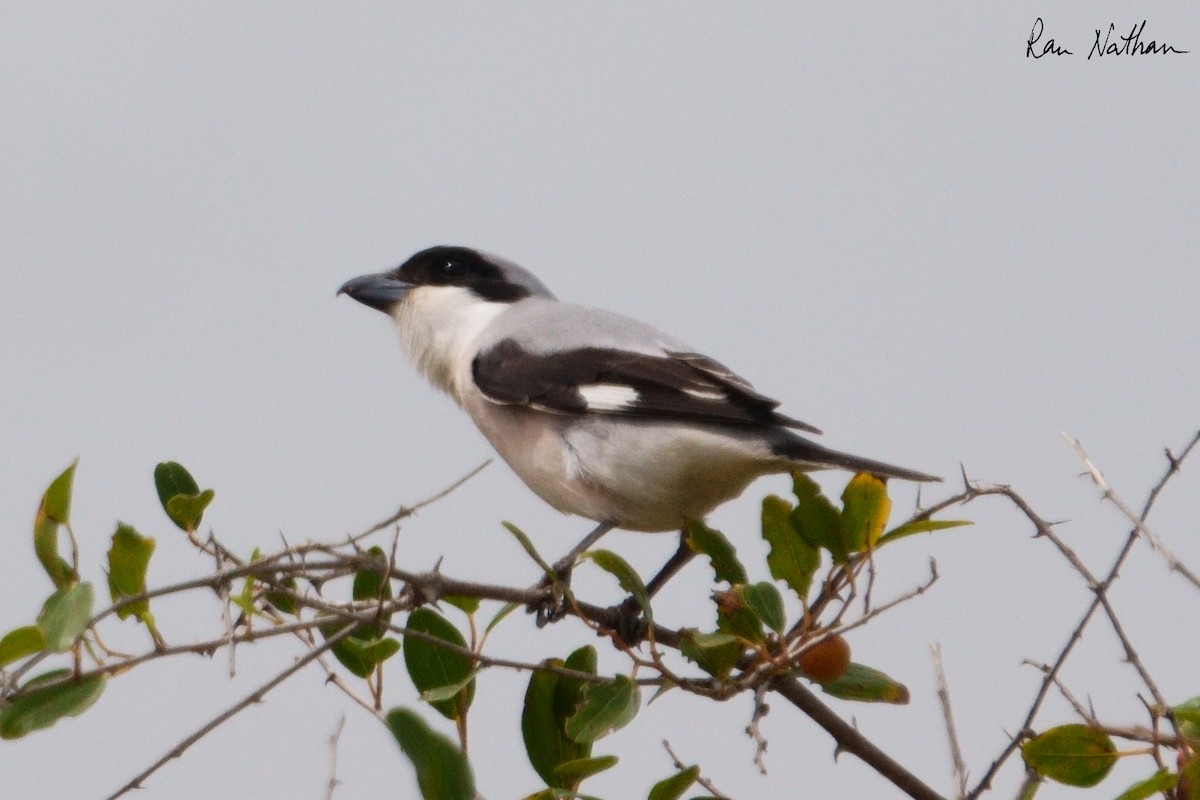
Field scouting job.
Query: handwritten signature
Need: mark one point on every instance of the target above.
(1130, 45)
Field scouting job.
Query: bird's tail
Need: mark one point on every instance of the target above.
(810, 455)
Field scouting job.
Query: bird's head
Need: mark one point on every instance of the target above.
(443, 272)
(441, 299)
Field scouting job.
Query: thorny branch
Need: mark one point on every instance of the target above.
(761, 672)
(1100, 590)
(851, 740)
(254, 697)
(1139, 521)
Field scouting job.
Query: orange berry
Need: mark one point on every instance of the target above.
(826, 661)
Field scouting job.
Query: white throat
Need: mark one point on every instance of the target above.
(438, 327)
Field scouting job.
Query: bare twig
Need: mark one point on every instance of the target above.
(332, 784)
(943, 693)
(408, 511)
(754, 731)
(835, 630)
(716, 793)
(254, 697)
(1139, 522)
(1085, 713)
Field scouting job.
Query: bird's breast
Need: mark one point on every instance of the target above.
(643, 476)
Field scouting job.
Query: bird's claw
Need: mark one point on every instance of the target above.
(630, 625)
(554, 588)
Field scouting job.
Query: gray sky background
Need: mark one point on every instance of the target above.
(937, 250)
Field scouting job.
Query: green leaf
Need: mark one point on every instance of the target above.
(815, 518)
(1187, 714)
(715, 653)
(431, 666)
(65, 616)
(21, 642)
(606, 707)
(867, 685)
(467, 605)
(791, 559)
(245, 598)
(1187, 717)
(172, 482)
(128, 559)
(359, 652)
(33, 709)
(735, 617)
(186, 510)
(582, 768)
(1189, 780)
(504, 611)
(283, 602)
(664, 687)
(379, 650)
(53, 511)
(541, 729)
(369, 584)
(361, 656)
(865, 511)
(448, 692)
(721, 553)
(1188, 710)
(528, 547)
(1029, 787)
(921, 526)
(172, 479)
(765, 603)
(628, 579)
(568, 691)
(1072, 754)
(672, 788)
(1162, 781)
(443, 772)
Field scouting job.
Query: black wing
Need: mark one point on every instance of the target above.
(596, 380)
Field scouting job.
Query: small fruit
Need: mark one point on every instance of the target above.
(826, 661)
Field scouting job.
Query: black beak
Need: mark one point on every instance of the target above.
(382, 291)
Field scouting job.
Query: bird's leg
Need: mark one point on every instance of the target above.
(553, 608)
(562, 568)
(630, 625)
(678, 560)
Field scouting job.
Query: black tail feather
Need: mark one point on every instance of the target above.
(810, 455)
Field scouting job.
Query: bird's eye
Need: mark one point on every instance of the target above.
(453, 269)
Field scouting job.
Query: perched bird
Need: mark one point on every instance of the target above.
(599, 414)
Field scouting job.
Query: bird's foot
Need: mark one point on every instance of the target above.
(555, 589)
(630, 624)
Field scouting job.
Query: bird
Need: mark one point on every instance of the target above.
(600, 415)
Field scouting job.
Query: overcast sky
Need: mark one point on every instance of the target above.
(938, 250)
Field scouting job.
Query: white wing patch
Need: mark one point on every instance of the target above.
(608, 396)
(706, 394)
